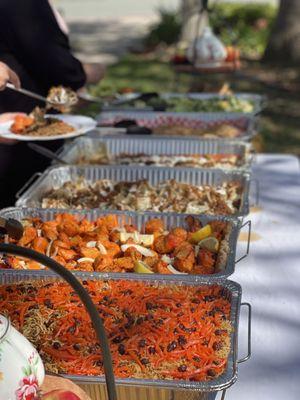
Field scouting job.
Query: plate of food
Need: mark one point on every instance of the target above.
(39, 126)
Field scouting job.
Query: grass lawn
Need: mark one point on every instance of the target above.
(280, 122)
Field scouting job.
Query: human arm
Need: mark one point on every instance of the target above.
(39, 44)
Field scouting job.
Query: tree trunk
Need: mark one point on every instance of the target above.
(284, 43)
(188, 8)
(191, 26)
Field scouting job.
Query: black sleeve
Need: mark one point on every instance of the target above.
(39, 44)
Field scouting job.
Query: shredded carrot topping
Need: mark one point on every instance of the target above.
(156, 331)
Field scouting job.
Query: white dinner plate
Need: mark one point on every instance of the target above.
(81, 124)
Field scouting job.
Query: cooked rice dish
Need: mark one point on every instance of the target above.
(155, 331)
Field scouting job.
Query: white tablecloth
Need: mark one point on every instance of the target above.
(270, 278)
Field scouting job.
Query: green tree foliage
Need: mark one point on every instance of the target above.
(246, 25)
(166, 30)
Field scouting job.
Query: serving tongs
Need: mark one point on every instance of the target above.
(27, 93)
(122, 100)
(118, 100)
(46, 153)
(128, 101)
(57, 104)
(130, 127)
(14, 229)
(11, 227)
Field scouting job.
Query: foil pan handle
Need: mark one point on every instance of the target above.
(249, 224)
(248, 305)
(223, 395)
(27, 184)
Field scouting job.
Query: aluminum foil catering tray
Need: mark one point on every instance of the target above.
(55, 177)
(225, 268)
(87, 148)
(184, 390)
(256, 100)
(153, 119)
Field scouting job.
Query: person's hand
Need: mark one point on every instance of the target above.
(8, 75)
(57, 383)
(6, 117)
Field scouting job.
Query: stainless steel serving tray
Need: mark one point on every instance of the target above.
(55, 177)
(257, 100)
(88, 147)
(9, 275)
(153, 119)
(188, 389)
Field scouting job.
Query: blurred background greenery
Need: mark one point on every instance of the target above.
(247, 26)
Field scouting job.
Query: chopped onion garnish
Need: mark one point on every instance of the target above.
(85, 259)
(49, 248)
(143, 250)
(101, 248)
(174, 271)
(137, 238)
(55, 252)
(167, 259)
(91, 244)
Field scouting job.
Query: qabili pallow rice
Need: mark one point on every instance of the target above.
(155, 331)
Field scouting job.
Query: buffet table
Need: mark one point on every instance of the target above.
(270, 278)
(167, 337)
